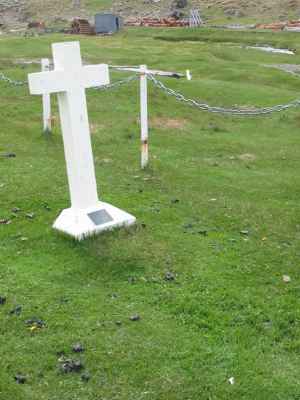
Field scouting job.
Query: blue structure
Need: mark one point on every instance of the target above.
(107, 23)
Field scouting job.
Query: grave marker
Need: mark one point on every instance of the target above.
(69, 79)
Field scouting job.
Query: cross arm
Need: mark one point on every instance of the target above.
(48, 82)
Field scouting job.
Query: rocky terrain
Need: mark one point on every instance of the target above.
(17, 13)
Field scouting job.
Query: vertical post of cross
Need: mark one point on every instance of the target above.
(46, 100)
(144, 116)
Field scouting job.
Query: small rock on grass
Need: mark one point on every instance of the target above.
(78, 348)
(5, 221)
(21, 379)
(9, 155)
(30, 215)
(244, 232)
(2, 300)
(69, 365)
(286, 279)
(231, 381)
(169, 276)
(135, 317)
(16, 310)
(35, 322)
(85, 377)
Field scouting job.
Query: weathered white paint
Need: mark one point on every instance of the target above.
(144, 116)
(70, 79)
(143, 71)
(47, 119)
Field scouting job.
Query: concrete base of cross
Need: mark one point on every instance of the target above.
(81, 223)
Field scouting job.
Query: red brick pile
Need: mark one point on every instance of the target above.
(157, 22)
(279, 26)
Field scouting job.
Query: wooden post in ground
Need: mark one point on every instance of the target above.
(46, 100)
(144, 116)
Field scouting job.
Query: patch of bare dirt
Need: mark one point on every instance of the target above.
(168, 123)
(247, 157)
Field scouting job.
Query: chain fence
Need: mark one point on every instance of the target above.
(242, 111)
(113, 85)
(11, 81)
(117, 84)
(234, 111)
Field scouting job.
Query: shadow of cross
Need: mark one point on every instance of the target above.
(69, 79)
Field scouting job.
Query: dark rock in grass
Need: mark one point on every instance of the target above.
(2, 300)
(21, 379)
(78, 348)
(39, 323)
(175, 201)
(169, 276)
(69, 365)
(203, 232)
(16, 310)
(188, 226)
(5, 221)
(15, 210)
(118, 323)
(9, 155)
(135, 317)
(85, 377)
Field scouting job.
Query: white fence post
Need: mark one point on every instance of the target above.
(144, 116)
(46, 100)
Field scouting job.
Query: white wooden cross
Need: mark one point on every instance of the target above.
(87, 215)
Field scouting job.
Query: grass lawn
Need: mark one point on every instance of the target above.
(218, 209)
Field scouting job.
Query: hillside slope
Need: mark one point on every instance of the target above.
(22, 11)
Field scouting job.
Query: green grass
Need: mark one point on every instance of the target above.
(228, 312)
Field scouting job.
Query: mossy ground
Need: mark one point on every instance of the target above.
(228, 312)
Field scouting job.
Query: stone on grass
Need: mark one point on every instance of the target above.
(69, 365)
(21, 379)
(244, 232)
(78, 348)
(85, 377)
(16, 310)
(169, 276)
(35, 322)
(286, 279)
(135, 317)
(2, 300)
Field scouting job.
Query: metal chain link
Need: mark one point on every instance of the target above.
(242, 111)
(118, 83)
(11, 81)
(221, 110)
